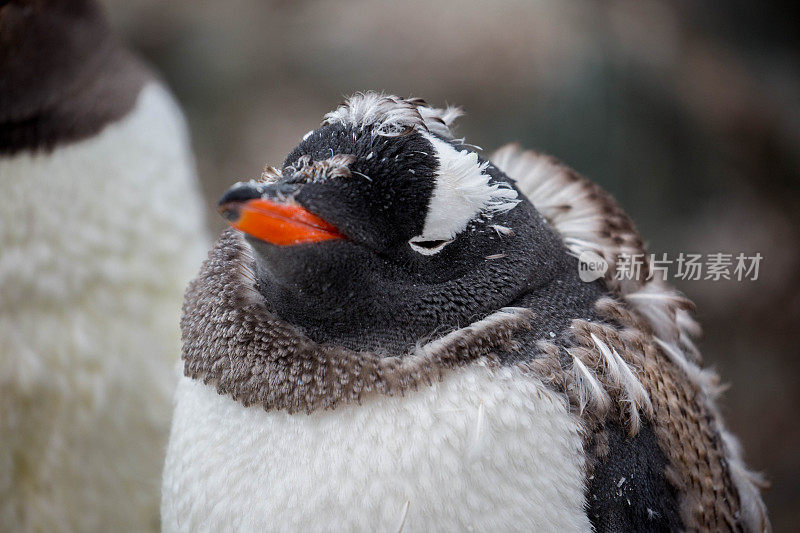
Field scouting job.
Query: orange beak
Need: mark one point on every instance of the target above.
(278, 223)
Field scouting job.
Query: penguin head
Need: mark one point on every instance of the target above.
(381, 229)
(47, 48)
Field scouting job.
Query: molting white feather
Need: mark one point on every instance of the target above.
(391, 116)
(550, 186)
(463, 192)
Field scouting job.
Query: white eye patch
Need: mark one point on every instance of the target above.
(462, 192)
(428, 247)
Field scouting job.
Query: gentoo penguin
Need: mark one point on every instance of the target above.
(101, 228)
(396, 336)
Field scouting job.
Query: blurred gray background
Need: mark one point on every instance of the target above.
(687, 111)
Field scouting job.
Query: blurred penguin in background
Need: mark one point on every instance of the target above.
(100, 229)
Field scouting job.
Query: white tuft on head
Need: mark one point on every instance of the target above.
(392, 116)
(463, 192)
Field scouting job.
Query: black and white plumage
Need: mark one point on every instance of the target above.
(101, 227)
(400, 339)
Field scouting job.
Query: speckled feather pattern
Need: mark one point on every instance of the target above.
(306, 170)
(234, 343)
(650, 327)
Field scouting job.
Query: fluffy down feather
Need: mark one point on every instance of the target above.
(436, 459)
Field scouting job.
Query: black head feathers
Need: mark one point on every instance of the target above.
(424, 234)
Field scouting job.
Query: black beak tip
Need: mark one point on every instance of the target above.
(240, 192)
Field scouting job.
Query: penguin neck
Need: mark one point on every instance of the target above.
(392, 319)
(231, 339)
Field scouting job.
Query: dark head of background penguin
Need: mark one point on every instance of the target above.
(63, 73)
(379, 233)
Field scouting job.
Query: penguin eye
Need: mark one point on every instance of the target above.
(428, 247)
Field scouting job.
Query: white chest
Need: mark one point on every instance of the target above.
(483, 450)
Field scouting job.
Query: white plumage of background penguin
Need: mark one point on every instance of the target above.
(397, 338)
(101, 228)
